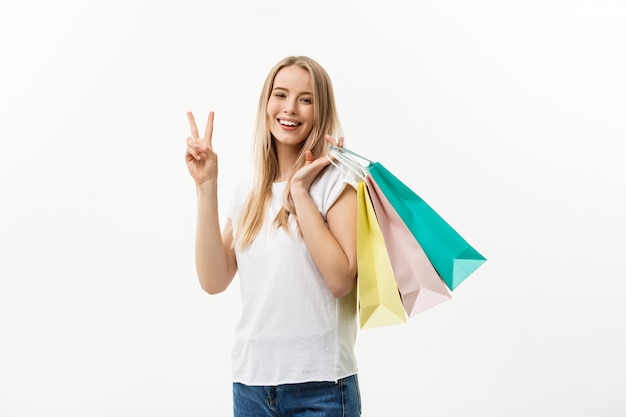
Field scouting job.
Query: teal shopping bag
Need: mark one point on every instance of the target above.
(452, 257)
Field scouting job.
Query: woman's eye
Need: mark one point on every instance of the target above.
(307, 100)
(282, 95)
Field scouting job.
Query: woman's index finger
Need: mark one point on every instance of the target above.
(192, 125)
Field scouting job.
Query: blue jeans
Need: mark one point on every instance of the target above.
(308, 399)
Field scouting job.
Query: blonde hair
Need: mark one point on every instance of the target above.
(325, 122)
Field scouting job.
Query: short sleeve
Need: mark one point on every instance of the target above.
(328, 186)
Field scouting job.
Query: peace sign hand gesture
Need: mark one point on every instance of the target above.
(200, 157)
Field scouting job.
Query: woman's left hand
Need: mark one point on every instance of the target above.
(304, 177)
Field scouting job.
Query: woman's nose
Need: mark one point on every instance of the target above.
(290, 107)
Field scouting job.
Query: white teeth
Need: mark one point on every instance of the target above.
(288, 123)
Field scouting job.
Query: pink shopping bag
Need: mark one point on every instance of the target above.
(419, 284)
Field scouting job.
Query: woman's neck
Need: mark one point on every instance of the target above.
(287, 157)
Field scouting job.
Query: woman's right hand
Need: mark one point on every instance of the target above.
(200, 158)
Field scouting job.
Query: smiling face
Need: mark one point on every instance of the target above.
(290, 109)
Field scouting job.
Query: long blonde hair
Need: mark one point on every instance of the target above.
(325, 122)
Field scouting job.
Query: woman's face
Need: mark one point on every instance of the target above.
(290, 106)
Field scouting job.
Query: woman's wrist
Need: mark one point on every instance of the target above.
(299, 191)
(207, 186)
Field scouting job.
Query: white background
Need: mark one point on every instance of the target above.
(506, 116)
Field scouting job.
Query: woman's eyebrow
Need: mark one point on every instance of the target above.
(287, 90)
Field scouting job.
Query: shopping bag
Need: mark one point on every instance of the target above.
(450, 254)
(379, 299)
(419, 283)
(453, 257)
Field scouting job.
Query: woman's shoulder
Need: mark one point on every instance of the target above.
(329, 185)
(332, 175)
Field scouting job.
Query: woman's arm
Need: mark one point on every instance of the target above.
(333, 248)
(215, 257)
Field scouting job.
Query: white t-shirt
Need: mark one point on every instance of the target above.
(292, 329)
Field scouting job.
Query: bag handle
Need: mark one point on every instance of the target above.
(336, 154)
(342, 150)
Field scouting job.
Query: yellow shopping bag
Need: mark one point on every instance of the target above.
(379, 299)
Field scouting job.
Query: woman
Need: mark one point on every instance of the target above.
(291, 236)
